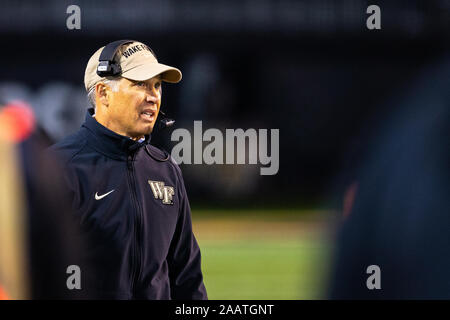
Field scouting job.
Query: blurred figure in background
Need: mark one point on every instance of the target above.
(37, 236)
(400, 217)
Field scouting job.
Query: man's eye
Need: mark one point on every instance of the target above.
(141, 84)
(157, 85)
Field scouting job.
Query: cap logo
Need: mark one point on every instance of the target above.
(132, 50)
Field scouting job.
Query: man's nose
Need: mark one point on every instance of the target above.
(152, 95)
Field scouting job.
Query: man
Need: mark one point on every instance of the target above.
(129, 196)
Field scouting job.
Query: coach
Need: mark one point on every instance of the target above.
(129, 196)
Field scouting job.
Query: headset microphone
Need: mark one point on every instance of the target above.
(165, 122)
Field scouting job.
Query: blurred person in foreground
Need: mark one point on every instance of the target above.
(130, 196)
(399, 220)
(38, 238)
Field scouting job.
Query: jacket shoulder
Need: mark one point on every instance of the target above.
(66, 149)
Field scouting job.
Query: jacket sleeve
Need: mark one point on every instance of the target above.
(184, 261)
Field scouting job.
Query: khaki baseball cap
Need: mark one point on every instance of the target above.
(137, 62)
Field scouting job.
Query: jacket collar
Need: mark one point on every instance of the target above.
(109, 142)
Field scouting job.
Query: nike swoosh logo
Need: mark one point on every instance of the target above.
(97, 197)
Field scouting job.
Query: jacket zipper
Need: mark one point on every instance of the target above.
(136, 265)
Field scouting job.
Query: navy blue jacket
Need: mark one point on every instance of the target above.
(132, 206)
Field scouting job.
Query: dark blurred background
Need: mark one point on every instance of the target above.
(337, 91)
(310, 68)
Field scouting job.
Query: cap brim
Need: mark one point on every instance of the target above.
(150, 70)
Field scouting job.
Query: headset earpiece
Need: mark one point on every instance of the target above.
(107, 67)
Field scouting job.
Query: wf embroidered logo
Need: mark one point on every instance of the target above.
(160, 191)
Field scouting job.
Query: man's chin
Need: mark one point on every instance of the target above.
(148, 130)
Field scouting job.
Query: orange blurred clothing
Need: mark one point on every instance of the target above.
(17, 121)
(3, 295)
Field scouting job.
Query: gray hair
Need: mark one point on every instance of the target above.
(112, 83)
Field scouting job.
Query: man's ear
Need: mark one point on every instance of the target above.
(101, 93)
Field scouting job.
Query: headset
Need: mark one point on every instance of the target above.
(107, 67)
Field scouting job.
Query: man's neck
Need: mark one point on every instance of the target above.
(111, 126)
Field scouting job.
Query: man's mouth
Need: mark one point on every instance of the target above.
(148, 115)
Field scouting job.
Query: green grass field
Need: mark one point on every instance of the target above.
(262, 256)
